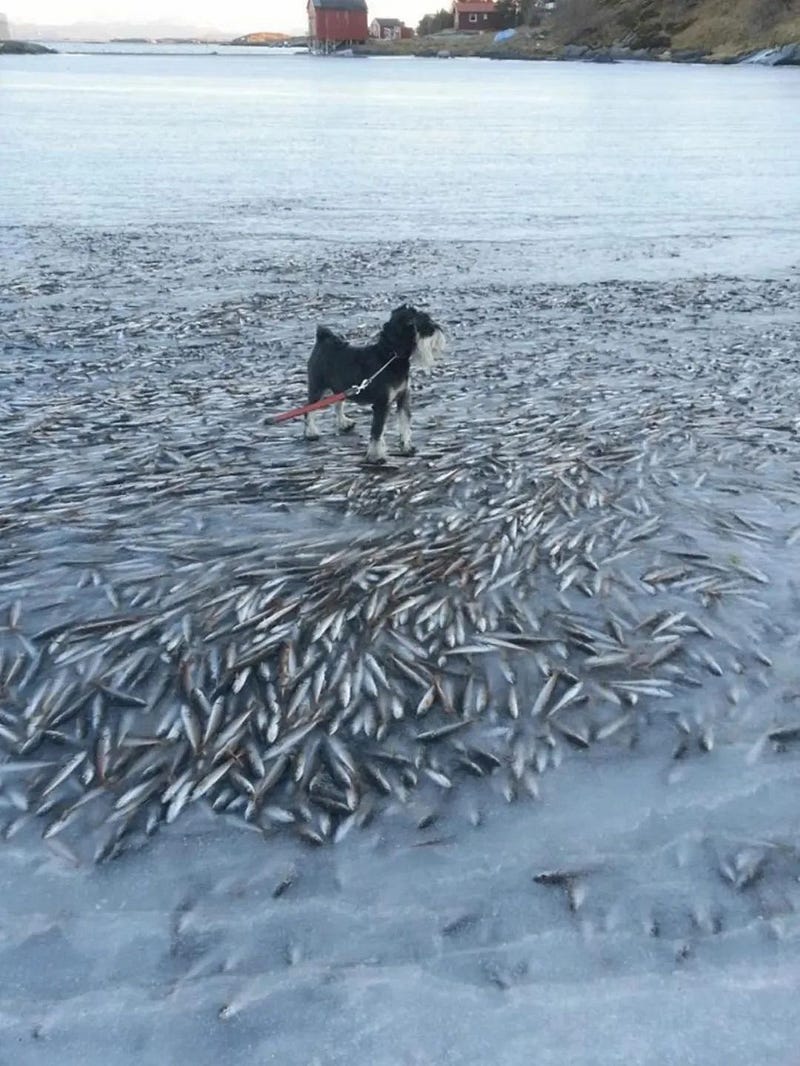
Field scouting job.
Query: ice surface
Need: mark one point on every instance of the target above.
(644, 910)
(382, 950)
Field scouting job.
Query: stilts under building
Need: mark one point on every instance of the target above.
(336, 24)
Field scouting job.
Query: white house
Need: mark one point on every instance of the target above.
(386, 29)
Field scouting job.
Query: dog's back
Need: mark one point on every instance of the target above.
(322, 363)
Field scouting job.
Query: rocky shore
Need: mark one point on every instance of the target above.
(523, 47)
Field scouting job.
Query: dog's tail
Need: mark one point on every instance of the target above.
(325, 334)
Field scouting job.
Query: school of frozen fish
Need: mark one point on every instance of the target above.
(198, 608)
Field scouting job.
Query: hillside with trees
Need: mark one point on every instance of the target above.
(429, 24)
(713, 25)
(721, 27)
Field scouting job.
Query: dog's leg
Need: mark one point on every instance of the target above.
(311, 430)
(344, 423)
(376, 450)
(317, 387)
(404, 423)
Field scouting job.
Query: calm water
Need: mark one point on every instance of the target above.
(589, 168)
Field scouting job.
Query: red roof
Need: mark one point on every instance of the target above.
(474, 7)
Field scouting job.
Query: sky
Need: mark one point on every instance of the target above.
(240, 16)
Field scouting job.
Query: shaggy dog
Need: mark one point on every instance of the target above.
(383, 368)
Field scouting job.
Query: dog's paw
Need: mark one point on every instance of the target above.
(311, 436)
(409, 450)
(375, 462)
(347, 427)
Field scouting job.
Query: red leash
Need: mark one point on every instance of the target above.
(298, 412)
(348, 394)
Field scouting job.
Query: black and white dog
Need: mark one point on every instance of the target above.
(409, 337)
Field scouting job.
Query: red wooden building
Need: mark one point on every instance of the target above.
(336, 24)
(475, 15)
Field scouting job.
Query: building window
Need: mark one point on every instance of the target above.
(473, 18)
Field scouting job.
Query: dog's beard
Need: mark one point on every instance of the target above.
(428, 349)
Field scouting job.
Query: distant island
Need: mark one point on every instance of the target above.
(24, 48)
(165, 30)
(270, 40)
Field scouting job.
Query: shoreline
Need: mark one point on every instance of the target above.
(782, 56)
